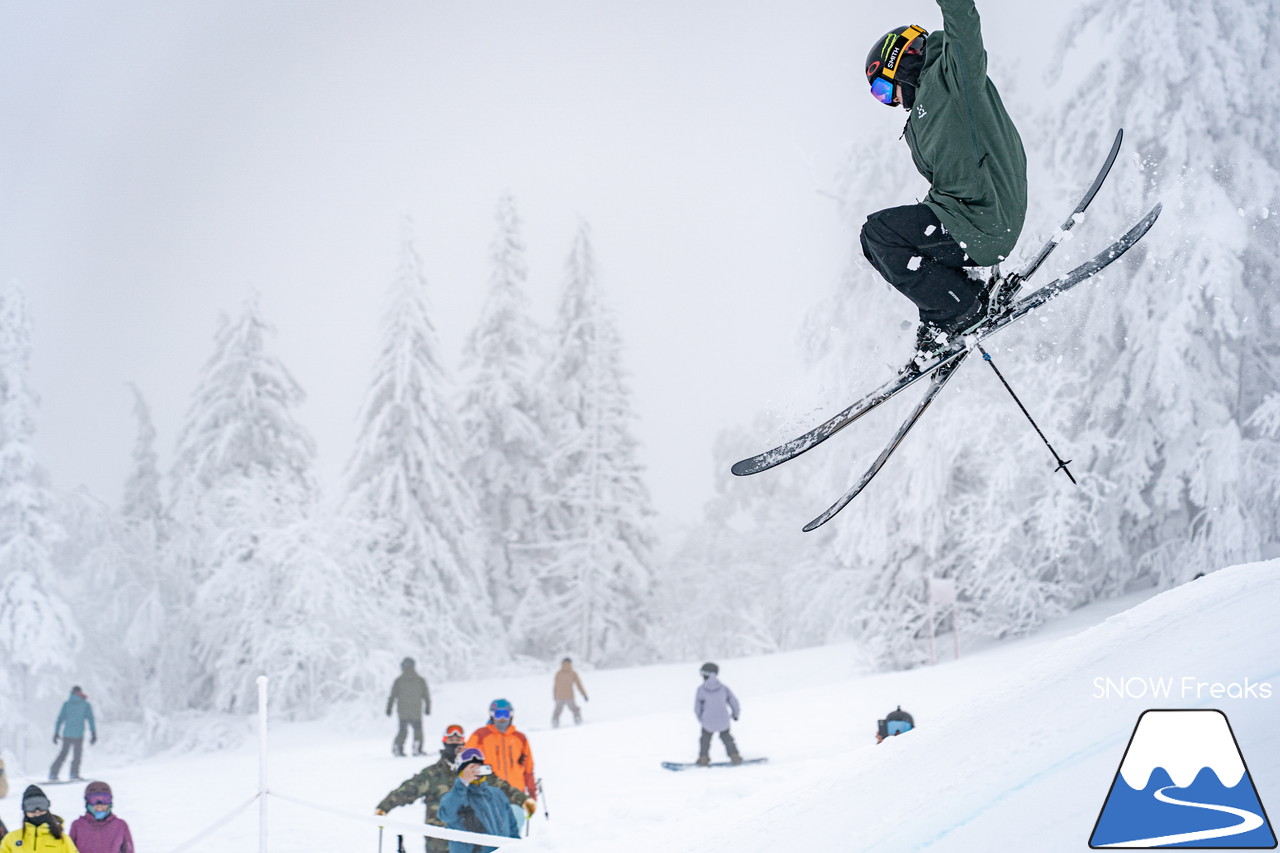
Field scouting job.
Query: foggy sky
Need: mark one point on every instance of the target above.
(160, 161)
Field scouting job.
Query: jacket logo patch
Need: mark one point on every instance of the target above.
(920, 110)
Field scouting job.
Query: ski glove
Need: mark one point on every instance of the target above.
(735, 718)
(530, 806)
(55, 737)
(379, 812)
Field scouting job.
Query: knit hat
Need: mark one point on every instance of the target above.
(34, 800)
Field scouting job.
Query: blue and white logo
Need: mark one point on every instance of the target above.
(1183, 783)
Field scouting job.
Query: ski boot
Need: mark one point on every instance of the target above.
(703, 761)
(735, 759)
(935, 338)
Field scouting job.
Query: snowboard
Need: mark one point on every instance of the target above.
(691, 765)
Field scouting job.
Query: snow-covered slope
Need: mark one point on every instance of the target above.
(1013, 750)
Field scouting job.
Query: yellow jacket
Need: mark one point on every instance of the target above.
(37, 839)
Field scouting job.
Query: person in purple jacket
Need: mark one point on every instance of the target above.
(98, 830)
(714, 705)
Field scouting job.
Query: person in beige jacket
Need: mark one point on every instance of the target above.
(566, 680)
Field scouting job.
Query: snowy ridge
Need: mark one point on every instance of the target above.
(1183, 744)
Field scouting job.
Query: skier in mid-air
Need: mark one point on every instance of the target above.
(964, 143)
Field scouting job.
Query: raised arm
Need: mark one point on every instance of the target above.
(963, 27)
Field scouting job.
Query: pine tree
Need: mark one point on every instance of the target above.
(503, 413)
(243, 484)
(142, 500)
(1185, 352)
(406, 492)
(38, 634)
(594, 590)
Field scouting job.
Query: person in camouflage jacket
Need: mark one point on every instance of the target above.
(435, 780)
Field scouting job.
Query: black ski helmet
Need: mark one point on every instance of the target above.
(884, 59)
(710, 669)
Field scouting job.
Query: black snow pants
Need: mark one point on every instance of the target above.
(704, 744)
(910, 248)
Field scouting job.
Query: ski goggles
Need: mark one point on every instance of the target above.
(98, 800)
(882, 90)
(454, 731)
(502, 713)
(882, 85)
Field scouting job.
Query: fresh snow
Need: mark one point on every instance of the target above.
(1013, 751)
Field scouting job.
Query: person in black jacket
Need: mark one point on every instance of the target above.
(409, 694)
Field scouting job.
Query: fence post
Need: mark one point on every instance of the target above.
(262, 764)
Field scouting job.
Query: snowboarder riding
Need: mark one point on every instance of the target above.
(715, 705)
(966, 146)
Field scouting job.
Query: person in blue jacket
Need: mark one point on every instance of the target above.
(473, 806)
(69, 728)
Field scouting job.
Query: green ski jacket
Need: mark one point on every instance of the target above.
(964, 143)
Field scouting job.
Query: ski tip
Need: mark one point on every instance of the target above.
(742, 468)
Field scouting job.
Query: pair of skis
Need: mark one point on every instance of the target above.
(941, 368)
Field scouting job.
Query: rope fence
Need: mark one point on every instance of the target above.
(264, 794)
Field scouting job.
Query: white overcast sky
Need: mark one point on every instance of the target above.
(161, 160)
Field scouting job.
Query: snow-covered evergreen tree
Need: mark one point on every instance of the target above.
(38, 635)
(593, 592)
(142, 495)
(265, 586)
(1184, 353)
(503, 414)
(406, 491)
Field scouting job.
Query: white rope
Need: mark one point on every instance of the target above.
(205, 833)
(404, 827)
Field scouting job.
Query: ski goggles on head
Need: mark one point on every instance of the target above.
(502, 713)
(470, 755)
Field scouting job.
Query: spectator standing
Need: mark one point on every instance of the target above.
(99, 830)
(508, 750)
(473, 806)
(40, 831)
(437, 779)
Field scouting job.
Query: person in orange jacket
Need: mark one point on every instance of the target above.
(506, 749)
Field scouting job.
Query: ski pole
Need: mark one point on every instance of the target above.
(542, 795)
(379, 839)
(1062, 464)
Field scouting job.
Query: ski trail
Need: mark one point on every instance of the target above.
(1249, 821)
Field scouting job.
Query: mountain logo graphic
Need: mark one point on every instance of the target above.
(1183, 783)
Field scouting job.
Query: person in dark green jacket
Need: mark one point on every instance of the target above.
(410, 696)
(964, 143)
(437, 779)
(69, 728)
